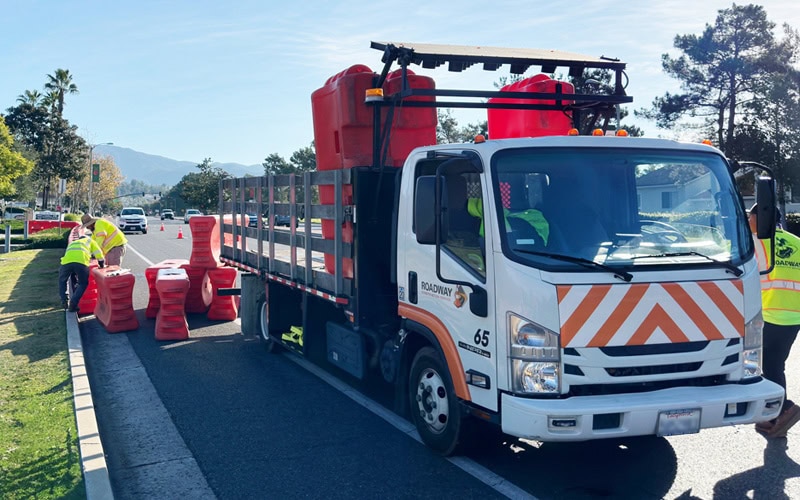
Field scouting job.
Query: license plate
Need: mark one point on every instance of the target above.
(675, 422)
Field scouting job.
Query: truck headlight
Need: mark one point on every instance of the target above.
(751, 355)
(535, 357)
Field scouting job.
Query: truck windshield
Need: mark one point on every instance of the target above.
(623, 208)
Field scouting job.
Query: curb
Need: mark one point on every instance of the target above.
(93, 460)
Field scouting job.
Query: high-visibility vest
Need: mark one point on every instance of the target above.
(780, 289)
(107, 235)
(532, 216)
(81, 251)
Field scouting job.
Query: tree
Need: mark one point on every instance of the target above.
(721, 71)
(449, 132)
(201, 189)
(103, 192)
(12, 164)
(304, 159)
(60, 84)
(32, 97)
(275, 164)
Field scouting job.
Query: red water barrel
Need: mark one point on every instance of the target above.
(205, 241)
(172, 285)
(507, 123)
(195, 303)
(150, 274)
(411, 127)
(342, 122)
(222, 308)
(88, 301)
(115, 299)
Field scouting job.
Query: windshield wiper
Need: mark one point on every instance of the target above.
(623, 275)
(727, 265)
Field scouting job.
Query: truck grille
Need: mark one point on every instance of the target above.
(603, 389)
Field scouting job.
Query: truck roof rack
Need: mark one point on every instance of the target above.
(459, 58)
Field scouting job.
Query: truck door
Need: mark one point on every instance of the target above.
(467, 339)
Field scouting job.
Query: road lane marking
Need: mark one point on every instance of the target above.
(147, 261)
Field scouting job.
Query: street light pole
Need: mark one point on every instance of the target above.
(91, 149)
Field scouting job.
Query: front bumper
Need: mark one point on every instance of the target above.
(637, 413)
(132, 226)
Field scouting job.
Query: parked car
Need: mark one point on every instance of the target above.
(132, 219)
(167, 214)
(190, 213)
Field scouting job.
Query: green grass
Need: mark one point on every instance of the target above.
(39, 456)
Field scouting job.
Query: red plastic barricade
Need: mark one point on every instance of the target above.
(508, 123)
(115, 299)
(172, 285)
(88, 301)
(343, 134)
(220, 308)
(195, 302)
(34, 226)
(205, 241)
(150, 274)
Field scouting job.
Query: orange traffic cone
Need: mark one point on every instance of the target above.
(180, 233)
(162, 227)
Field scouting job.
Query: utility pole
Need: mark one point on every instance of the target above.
(91, 180)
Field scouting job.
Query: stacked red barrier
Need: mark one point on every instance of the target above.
(195, 302)
(34, 226)
(205, 255)
(88, 301)
(114, 308)
(172, 285)
(220, 307)
(150, 274)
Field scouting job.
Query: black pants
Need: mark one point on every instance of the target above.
(81, 273)
(777, 343)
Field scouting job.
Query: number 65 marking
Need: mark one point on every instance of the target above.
(481, 337)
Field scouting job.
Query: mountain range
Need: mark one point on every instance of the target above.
(161, 170)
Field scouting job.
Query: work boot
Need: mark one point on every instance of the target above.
(64, 304)
(765, 427)
(784, 422)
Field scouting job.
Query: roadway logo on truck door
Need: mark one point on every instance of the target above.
(655, 313)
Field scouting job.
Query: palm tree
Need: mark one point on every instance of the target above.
(50, 101)
(32, 97)
(61, 84)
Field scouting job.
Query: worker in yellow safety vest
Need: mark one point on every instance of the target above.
(75, 266)
(533, 217)
(111, 240)
(780, 301)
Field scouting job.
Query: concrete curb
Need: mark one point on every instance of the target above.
(93, 460)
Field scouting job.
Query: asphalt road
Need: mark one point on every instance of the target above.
(237, 422)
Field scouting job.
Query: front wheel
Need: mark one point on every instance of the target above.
(269, 342)
(435, 409)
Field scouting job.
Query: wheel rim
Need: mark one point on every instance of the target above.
(432, 401)
(264, 322)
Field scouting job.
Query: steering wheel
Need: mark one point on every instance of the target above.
(663, 234)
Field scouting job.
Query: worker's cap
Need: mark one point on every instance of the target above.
(87, 220)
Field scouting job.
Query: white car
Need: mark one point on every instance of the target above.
(132, 219)
(191, 213)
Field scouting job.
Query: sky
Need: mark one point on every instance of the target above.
(232, 81)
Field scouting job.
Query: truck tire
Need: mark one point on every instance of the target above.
(269, 342)
(435, 409)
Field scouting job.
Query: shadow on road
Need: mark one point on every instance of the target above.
(635, 468)
(767, 481)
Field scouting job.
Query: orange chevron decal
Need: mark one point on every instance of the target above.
(637, 314)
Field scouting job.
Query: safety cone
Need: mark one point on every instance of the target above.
(180, 233)
(162, 227)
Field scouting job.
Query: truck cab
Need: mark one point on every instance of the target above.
(604, 266)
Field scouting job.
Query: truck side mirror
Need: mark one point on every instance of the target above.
(765, 200)
(425, 209)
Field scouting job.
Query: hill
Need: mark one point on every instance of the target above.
(151, 168)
